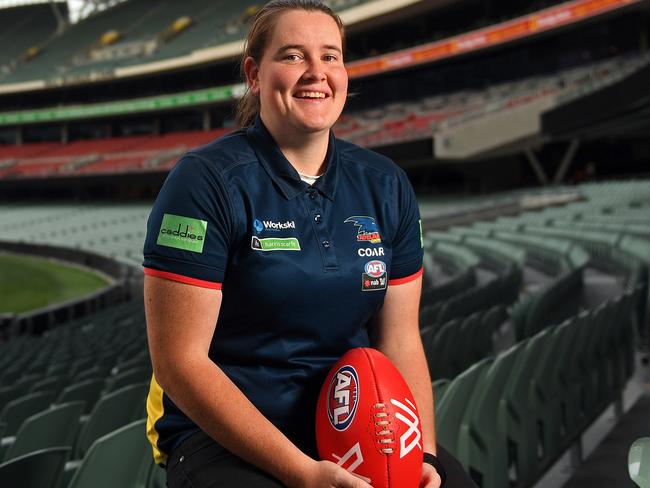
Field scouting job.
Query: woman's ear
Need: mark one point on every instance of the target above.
(252, 71)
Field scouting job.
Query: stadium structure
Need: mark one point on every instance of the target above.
(524, 127)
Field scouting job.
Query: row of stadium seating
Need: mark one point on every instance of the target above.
(503, 413)
(394, 123)
(100, 156)
(131, 32)
(23, 28)
(72, 386)
(508, 417)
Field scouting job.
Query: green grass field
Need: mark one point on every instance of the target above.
(27, 283)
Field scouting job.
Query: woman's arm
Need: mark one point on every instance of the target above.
(397, 335)
(181, 320)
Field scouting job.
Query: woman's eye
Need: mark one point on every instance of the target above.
(292, 57)
(329, 57)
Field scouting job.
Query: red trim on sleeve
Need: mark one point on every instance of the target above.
(183, 279)
(406, 279)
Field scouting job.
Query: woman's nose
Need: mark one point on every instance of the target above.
(314, 71)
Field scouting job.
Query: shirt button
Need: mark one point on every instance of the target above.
(318, 219)
(312, 194)
(326, 244)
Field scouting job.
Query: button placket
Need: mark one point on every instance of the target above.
(321, 232)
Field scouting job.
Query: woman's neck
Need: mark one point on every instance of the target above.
(306, 152)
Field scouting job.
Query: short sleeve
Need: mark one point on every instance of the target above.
(406, 264)
(190, 226)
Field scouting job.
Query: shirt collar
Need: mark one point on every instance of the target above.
(280, 169)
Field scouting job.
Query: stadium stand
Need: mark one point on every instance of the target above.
(395, 123)
(536, 303)
(532, 372)
(23, 29)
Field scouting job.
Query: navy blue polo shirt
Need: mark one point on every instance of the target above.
(302, 269)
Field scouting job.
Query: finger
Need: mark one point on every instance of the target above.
(356, 482)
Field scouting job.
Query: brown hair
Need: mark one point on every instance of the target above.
(258, 38)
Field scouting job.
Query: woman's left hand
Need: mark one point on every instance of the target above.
(430, 477)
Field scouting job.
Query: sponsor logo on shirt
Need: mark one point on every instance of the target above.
(374, 276)
(262, 225)
(370, 252)
(367, 229)
(275, 244)
(421, 236)
(181, 232)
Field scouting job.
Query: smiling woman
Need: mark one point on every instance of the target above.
(310, 247)
(28, 283)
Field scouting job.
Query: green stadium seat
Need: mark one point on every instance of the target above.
(113, 410)
(15, 412)
(470, 332)
(547, 393)
(35, 470)
(450, 410)
(638, 462)
(439, 388)
(87, 391)
(128, 377)
(54, 383)
(441, 350)
(482, 446)
(55, 427)
(125, 450)
(516, 411)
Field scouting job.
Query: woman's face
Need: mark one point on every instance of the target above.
(301, 81)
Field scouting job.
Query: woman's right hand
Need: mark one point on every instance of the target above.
(326, 474)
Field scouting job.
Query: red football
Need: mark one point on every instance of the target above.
(367, 421)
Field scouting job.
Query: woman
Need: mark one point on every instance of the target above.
(286, 218)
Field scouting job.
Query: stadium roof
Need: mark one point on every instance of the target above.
(20, 3)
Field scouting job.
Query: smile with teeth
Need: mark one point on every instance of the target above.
(310, 94)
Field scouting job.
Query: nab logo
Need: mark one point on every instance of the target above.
(343, 397)
(375, 269)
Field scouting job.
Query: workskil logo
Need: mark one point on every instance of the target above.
(367, 229)
(262, 225)
(182, 233)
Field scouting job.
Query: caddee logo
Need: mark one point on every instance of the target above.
(181, 232)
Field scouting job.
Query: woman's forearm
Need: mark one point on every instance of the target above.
(204, 392)
(410, 360)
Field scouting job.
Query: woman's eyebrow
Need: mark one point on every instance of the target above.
(300, 47)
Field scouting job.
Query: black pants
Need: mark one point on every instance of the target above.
(199, 462)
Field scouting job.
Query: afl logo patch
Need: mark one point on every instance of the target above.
(343, 397)
(375, 268)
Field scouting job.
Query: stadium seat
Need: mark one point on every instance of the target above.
(638, 462)
(128, 377)
(55, 427)
(54, 383)
(87, 391)
(125, 450)
(15, 412)
(112, 411)
(516, 411)
(441, 350)
(35, 470)
(450, 410)
(439, 388)
(482, 444)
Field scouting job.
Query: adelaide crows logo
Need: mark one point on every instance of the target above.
(368, 231)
